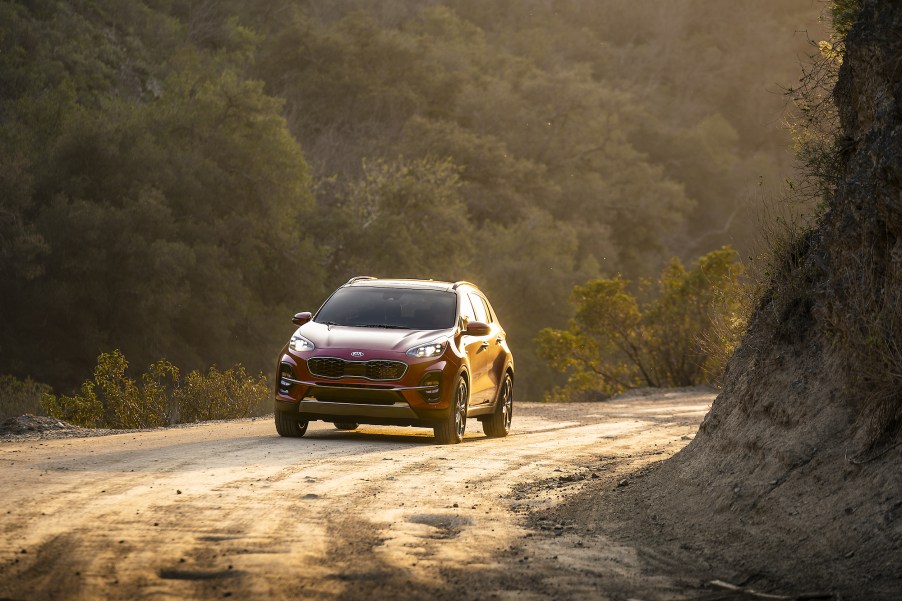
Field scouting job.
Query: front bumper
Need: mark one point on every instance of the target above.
(345, 387)
(406, 401)
(310, 409)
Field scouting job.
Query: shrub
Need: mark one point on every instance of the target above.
(83, 409)
(18, 397)
(222, 395)
(681, 334)
(111, 399)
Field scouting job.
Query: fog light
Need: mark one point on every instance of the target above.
(285, 371)
(433, 379)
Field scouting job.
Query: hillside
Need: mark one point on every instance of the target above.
(799, 458)
(177, 178)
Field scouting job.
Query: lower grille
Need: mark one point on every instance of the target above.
(376, 369)
(357, 396)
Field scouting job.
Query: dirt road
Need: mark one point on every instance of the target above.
(231, 509)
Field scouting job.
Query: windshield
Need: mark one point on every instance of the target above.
(399, 308)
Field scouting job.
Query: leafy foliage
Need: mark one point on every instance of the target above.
(111, 399)
(149, 218)
(225, 394)
(154, 196)
(410, 210)
(843, 13)
(678, 332)
(814, 125)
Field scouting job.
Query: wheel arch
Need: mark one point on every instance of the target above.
(465, 374)
(508, 371)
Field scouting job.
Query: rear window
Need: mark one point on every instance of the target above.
(400, 308)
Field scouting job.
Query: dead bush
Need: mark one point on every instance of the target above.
(20, 397)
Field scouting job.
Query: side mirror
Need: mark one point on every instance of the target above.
(477, 328)
(300, 319)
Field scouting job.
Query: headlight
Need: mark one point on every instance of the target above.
(432, 349)
(300, 344)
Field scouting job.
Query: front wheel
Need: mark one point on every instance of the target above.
(451, 430)
(499, 423)
(288, 425)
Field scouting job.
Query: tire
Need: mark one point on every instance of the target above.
(288, 425)
(498, 424)
(346, 425)
(451, 430)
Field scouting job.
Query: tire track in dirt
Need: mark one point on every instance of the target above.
(230, 509)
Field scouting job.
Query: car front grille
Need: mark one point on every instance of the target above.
(326, 367)
(376, 369)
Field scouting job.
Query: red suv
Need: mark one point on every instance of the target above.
(398, 352)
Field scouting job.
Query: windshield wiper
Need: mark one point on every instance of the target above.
(382, 325)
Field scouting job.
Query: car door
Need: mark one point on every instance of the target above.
(495, 354)
(483, 389)
(470, 345)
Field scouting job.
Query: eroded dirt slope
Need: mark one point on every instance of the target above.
(231, 509)
(801, 456)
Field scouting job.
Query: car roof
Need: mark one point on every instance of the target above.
(364, 281)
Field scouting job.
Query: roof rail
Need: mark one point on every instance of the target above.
(462, 283)
(358, 278)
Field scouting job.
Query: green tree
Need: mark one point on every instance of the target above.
(154, 198)
(524, 266)
(678, 332)
(402, 218)
(162, 220)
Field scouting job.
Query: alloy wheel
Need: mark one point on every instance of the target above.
(507, 403)
(460, 409)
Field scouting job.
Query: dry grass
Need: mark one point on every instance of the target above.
(780, 277)
(853, 306)
(20, 397)
(865, 326)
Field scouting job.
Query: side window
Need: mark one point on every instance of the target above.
(479, 307)
(491, 309)
(490, 315)
(466, 309)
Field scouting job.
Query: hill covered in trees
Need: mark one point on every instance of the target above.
(178, 177)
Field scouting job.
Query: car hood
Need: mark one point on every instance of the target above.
(376, 339)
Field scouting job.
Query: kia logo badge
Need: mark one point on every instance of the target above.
(357, 354)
